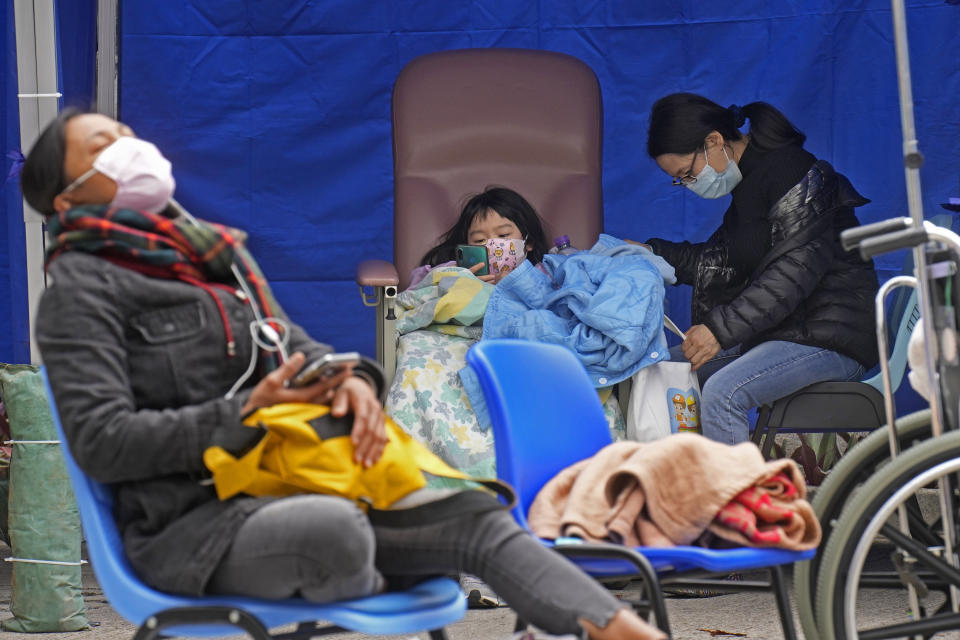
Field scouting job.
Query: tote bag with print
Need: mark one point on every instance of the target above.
(665, 399)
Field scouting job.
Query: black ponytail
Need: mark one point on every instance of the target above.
(769, 128)
(680, 122)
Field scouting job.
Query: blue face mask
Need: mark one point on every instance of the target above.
(711, 184)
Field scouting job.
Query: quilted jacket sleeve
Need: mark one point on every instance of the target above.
(774, 293)
(682, 256)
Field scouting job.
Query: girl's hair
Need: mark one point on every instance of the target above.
(42, 177)
(680, 122)
(509, 204)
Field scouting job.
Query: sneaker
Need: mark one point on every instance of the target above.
(479, 594)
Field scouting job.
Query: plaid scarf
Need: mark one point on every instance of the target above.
(200, 254)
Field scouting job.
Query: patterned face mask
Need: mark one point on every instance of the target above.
(504, 254)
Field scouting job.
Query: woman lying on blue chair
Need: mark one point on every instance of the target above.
(145, 332)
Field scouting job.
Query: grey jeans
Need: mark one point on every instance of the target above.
(324, 548)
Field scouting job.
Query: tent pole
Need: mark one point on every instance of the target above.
(39, 101)
(107, 57)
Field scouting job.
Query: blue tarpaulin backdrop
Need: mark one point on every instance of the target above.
(276, 115)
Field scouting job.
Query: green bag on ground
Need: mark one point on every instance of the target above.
(4, 472)
(44, 522)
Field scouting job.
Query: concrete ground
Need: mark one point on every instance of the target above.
(691, 619)
(739, 615)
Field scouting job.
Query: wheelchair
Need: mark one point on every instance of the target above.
(890, 509)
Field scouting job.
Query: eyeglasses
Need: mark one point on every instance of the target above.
(688, 177)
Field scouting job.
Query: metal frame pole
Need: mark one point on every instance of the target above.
(39, 102)
(107, 57)
(912, 161)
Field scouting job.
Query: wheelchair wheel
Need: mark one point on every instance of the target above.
(855, 467)
(867, 551)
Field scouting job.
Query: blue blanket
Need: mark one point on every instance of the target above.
(605, 305)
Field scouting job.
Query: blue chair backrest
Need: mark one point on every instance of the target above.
(95, 503)
(898, 352)
(906, 313)
(544, 388)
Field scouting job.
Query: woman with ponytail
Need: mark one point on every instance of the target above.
(777, 303)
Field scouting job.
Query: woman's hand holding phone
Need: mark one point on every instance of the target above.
(343, 392)
(275, 387)
(325, 367)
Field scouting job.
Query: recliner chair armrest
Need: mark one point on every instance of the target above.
(377, 273)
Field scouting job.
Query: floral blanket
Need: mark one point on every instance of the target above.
(428, 401)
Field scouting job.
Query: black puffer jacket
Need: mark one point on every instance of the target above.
(806, 289)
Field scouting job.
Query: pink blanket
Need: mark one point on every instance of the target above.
(670, 491)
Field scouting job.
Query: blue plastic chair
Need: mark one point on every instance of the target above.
(546, 416)
(429, 605)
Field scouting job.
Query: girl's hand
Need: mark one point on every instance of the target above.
(369, 433)
(491, 278)
(273, 388)
(700, 345)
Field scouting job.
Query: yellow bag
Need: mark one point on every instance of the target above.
(306, 450)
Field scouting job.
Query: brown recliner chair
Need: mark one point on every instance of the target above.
(465, 119)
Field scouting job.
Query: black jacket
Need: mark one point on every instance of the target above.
(806, 288)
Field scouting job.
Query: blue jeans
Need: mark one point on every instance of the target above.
(731, 384)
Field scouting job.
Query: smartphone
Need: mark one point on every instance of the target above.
(326, 367)
(470, 254)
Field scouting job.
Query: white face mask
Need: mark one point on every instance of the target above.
(144, 177)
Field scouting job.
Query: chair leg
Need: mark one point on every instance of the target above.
(644, 570)
(783, 602)
(764, 435)
(766, 449)
(231, 616)
(760, 428)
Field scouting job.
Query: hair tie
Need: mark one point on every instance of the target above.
(738, 118)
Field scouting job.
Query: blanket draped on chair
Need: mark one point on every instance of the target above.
(670, 491)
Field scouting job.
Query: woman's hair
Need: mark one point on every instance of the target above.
(42, 177)
(680, 122)
(509, 204)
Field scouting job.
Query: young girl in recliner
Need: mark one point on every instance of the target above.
(500, 219)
